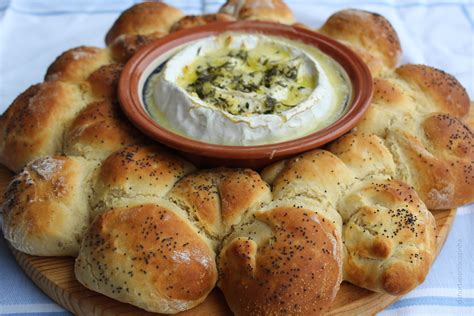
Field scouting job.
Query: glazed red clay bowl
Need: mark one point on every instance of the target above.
(143, 63)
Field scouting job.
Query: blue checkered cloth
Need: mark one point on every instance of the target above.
(437, 33)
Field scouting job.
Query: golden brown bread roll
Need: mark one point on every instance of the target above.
(286, 260)
(126, 45)
(417, 112)
(99, 130)
(34, 124)
(365, 154)
(215, 197)
(368, 34)
(262, 10)
(438, 163)
(77, 64)
(147, 255)
(46, 210)
(196, 20)
(138, 26)
(444, 93)
(305, 176)
(136, 174)
(103, 83)
(65, 104)
(389, 237)
(180, 230)
(144, 18)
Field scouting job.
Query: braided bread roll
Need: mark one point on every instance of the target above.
(369, 34)
(46, 209)
(345, 213)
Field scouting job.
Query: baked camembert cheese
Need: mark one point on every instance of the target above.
(247, 89)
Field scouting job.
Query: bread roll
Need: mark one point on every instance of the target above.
(144, 18)
(189, 21)
(389, 237)
(316, 174)
(103, 83)
(77, 64)
(136, 174)
(34, 124)
(149, 256)
(220, 198)
(126, 45)
(286, 260)
(440, 166)
(368, 34)
(99, 130)
(365, 155)
(435, 89)
(46, 210)
(262, 10)
(417, 112)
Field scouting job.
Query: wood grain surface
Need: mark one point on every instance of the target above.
(55, 276)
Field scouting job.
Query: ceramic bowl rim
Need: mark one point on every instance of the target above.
(359, 74)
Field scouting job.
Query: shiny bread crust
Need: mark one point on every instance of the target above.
(369, 34)
(34, 124)
(144, 18)
(149, 256)
(126, 45)
(77, 64)
(45, 210)
(295, 270)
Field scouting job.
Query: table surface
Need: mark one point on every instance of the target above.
(437, 33)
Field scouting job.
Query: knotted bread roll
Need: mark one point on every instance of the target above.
(369, 34)
(345, 212)
(389, 237)
(46, 210)
(148, 255)
(99, 130)
(418, 113)
(286, 259)
(77, 64)
(24, 138)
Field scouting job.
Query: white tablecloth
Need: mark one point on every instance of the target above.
(437, 33)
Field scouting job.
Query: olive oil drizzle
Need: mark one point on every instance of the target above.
(218, 79)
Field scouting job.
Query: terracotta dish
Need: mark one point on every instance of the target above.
(141, 66)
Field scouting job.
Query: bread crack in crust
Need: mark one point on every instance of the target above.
(151, 230)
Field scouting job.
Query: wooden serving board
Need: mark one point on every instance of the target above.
(55, 276)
